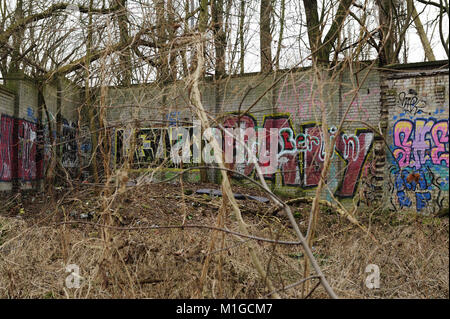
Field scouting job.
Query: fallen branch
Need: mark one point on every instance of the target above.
(273, 241)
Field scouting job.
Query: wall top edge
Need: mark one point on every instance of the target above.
(419, 73)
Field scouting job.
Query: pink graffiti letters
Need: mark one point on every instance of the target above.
(439, 133)
(421, 141)
(296, 99)
(358, 110)
(402, 131)
(313, 160)
(288, 160)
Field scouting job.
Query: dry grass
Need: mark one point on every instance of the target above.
(167, 263)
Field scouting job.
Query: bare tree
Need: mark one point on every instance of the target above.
(265, 35)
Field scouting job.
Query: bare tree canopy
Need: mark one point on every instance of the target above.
(46, 38)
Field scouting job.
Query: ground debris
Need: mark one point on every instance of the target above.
(166, 263)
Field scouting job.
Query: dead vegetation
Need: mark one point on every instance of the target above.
(145, 262)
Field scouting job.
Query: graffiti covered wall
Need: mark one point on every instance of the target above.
(301, 155)
(407, 168)
(153, 146)
(294, 108)
(419, 149)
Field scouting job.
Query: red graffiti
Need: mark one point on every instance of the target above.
(308, 148)
(6, 148)
(358, 111)
(245, 121)
(288, 163)
(354, 161)
(313, 160)
(353, 149)
(27, 150)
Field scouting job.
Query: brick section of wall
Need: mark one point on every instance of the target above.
(28, 104)
(6, 101)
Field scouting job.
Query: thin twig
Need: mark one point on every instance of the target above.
(294, 285)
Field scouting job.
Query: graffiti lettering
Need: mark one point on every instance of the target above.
(420, 141)
(421, 161)
(243, 122)
(308, 148)
(27, 150)
(360, 145)
(69, 145)
(410, 103)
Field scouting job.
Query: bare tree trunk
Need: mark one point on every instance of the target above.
(444, 8)
(163, 71)
(125, 54)
(17, 38)
(280, 38)
(219, 38)
(321, 49)
(429, 55)
(185, 30)
(203, 17)
(241, 36)
(387, 36)
(313, 27)
(171, 32)
(58, 124)
(265, 36)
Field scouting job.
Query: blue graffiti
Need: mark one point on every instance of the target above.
(415, 181)
(173, 118)
(421, 200)
(30, 115)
